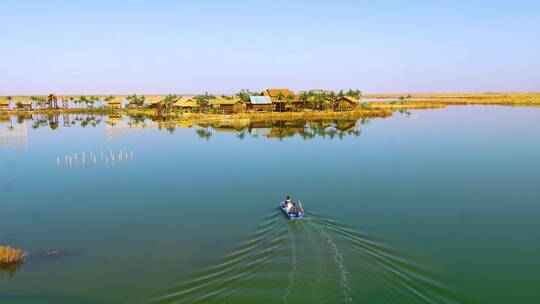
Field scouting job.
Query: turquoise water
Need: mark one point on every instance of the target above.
(436, 206)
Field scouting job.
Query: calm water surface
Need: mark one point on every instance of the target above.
(439, 206)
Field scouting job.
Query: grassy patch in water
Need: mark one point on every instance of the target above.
(9, 255)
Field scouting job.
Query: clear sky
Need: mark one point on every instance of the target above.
(222, 46)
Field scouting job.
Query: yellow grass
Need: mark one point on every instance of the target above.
(10, 255)
(406, 105)
(510, 99)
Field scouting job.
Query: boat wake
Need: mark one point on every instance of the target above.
(314, 260)
(293, 269)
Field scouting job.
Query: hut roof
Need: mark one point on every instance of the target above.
(219, 102)
(277, 92)
(349, 99)
(260, 100)
(186, 104)
(26, 102)
(116, 100)
(183, 100)
(4, 102)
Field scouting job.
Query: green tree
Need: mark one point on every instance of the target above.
(289, 102)
(203, 100)
(167, 104)
(244, 94)
(135, 101)
(92, 100)
(83, 99)
(41, 102)
(354, 93)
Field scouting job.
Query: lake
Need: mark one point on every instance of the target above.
(434, 206)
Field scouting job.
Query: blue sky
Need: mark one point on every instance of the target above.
(222, 46)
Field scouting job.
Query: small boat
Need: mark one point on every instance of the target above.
(292, 216)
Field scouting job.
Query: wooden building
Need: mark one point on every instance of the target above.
(283, 99)
(154, 103)
(228, 106)
(4, 104)
(186, 106)
(345, 103)
(260, 103)
(116, 103)
(26, 105)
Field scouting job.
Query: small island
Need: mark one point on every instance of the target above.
(270, 104)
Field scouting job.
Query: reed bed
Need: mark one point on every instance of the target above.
(406, 105)
(196, 118)
(508, 99)
(9, 255)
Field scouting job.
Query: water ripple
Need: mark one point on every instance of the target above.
(316, 260)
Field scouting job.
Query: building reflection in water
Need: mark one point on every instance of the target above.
(13, 132)
(15, 128)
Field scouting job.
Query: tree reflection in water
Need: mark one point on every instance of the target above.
(53, 121)
(242, 128)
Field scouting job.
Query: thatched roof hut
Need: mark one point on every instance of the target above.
(4, 104)
(115, 103)
(275, 93)
(228, 105)
(186, 104)
(346, 102)
(185, 101)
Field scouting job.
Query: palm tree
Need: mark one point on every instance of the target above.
(95, 100)
(167, 104)
(204, 100)
(92, 100)
(354, 93)
(83, 99)
(289, 102)
(244, 94)
(304, 97)
(41, 101)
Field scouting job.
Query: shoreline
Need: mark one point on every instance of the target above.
(388, 104)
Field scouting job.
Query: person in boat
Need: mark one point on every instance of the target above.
(288, 204)
(288, 200)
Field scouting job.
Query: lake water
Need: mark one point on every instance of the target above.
(437, 206)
